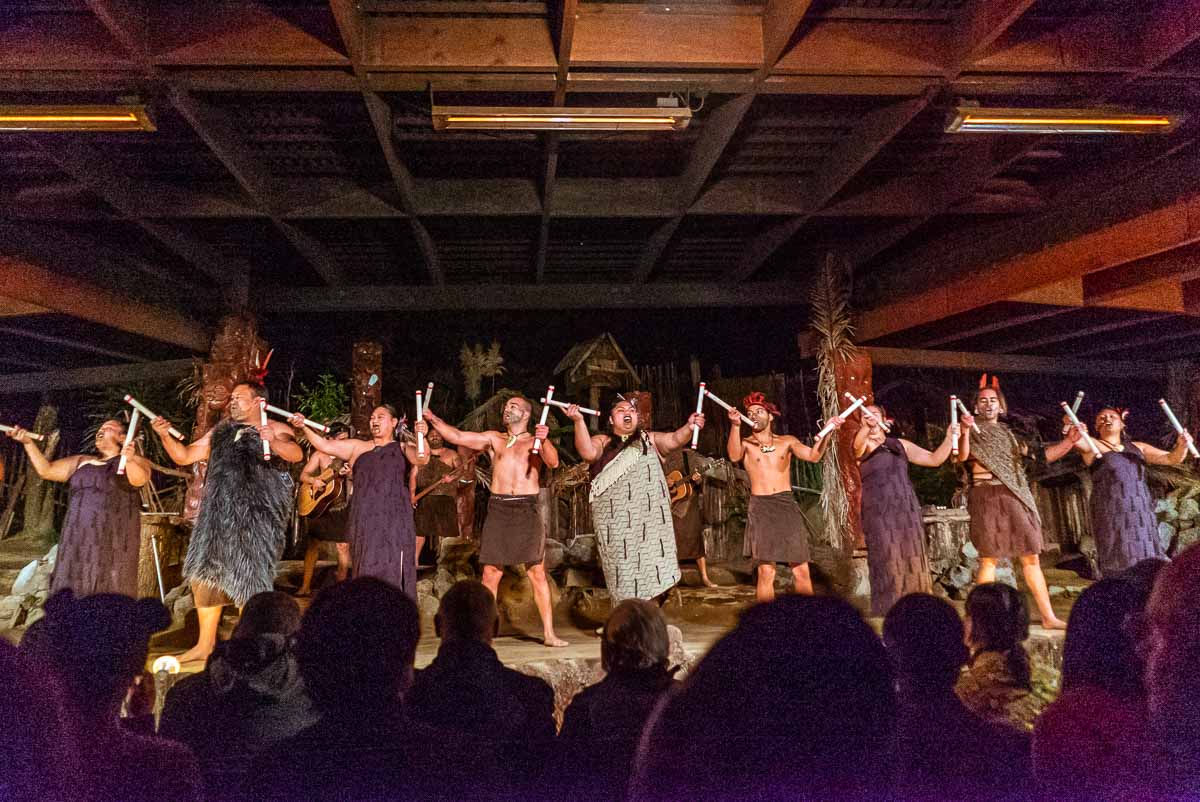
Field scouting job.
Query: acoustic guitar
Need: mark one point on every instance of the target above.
(679, 486)
(457, 473)
(313, 503)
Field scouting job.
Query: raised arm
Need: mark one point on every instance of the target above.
(860, 441)
(666, 442)
(344, 450)
(1063, 447)
(931, 459)
(808, 453)
(410, 449)
(734, 444)
(547, 451)
(1156, 456)
(179, 453)
(590, 448)
(137, 467)
(964, 444)
(478, 441)
(282, 440)
(59, 470)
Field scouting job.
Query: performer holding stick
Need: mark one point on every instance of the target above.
(150, 415)
(312, 424)
(1004, 515)
(434, 491)
(776, 531)
(331, 525)
(130, 433)
(1122, 511)
(891, 514)
(380, 526)
(554, 402)
(98, 547)
(630, 504)
(31, 435)
(239, 533)
(512, 532)
(1166, 408)
(728, 407)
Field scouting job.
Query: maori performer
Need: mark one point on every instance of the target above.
(98, 548)
(380, 525)
(630, 504)
(685, 483)
(329, 526)
(240, 530)
(776, 531)
(891, 513)
(1123, 520)
(436, 513)
(512, 531)
(1004, 516)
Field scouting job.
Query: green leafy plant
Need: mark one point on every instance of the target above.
(328, 400)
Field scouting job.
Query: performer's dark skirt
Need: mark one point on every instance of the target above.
(330, 527)
(689, 532)
(512, 532)
(776, 531)
(1001, 526)
(205, 595)
(436, 516)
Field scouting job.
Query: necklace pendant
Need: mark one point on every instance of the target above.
(766, 449)
(512, 439)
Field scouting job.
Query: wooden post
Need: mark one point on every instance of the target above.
(236, 352)
(367, 361)
(38, 511)
(853, 376)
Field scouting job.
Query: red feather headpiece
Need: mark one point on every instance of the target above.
(983, 383)
(259, 374)
(758, 399)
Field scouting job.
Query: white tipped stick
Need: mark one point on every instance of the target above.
(312, 424)
(149, 415)
(828, 427)
(428, 394)
(262, 409)
(554, 402)
(954, 424)
(1162, 402)
(699, 409)
(1078, 400)
(963, 408)
(420, 435)
(130, 432)
(32, 435)
(728, 408)
(1075, 421)
(871, 416)
(537, 444)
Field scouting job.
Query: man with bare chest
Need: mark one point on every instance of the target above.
(512, 532)
(776, 531)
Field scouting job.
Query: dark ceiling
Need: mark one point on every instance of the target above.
(295, 167)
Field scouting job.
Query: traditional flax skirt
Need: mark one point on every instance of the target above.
(1001, 526)
(776, 531)
(512, 532)
(634, 533)
(436, 516)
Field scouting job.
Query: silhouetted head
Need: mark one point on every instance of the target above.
(467, 612)
(924, 636)
(1172, 648)
(635, 638)
(357, 643)
(98, 644)
(1100, 648)
(270, 613)
(798, 696)
(998, 621)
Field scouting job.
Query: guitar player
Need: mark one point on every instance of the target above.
(685, 482)
(330, 526)
(434, 490)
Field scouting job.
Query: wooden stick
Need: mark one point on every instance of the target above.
(262, 409)
(1162, 402)
(32, 435)
(1090, 443)
(537, 444)
(728, 408)
(699, 409)
(142, 408)
(312, 424)
(129, 435)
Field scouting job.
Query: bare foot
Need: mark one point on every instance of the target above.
(1053, 623)
(554, 641)
(708, 583)
(303, 592)
(198, 653)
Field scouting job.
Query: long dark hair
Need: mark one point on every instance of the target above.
(1099, 649)
(1000, 623)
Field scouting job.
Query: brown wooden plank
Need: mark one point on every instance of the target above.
(869, 48)
(448, 43)
(21, 383)
(1014, 363)
(225, 34)
(1178, 263)
(629, 38)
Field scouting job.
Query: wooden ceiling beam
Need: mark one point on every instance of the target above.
(871, 135)
(22, 383)
(1099, 43)
(528, 297)
(628, 36)
(1179, 264)
(1016, 345)
(1140, 345)
(719, 128)
(35, 284)
(1176, 26)
(780, 21)
(972, 331)
(66, 342)
(980, 24)
(1143, 235)
(1014, 363)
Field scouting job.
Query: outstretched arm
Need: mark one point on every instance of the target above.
(342, 449)
(734, 444)
(410, 449)
(666, 442)
(1156, 456)
(476, 440)
(59, 470)
(931, 459)
(177, 451)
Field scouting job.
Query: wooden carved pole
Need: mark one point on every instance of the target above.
(38, 511)
(853, 375)
(236, 353)
(366, 362)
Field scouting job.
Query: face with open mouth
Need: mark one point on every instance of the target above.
(760, 416)
(624, 418)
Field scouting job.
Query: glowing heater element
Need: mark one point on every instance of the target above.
(75, 118)
(973, 119)
(538, 118)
